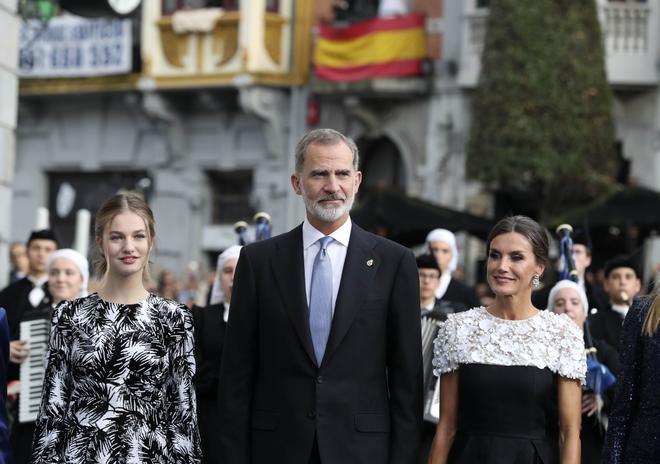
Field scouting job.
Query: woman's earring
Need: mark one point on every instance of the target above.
(536, 281)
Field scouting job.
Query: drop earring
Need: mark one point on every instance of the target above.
(536, 281)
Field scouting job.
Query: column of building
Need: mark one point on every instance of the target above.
(9, 25)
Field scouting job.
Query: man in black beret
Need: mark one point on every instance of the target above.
(429, 280)
(28, 293)
(25, 299)
(622, 283)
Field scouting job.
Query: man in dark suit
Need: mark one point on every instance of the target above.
(322, 360)
(27, 294)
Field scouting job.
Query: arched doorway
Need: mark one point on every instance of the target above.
(381, 165)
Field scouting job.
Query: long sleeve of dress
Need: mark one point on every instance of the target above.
(50, 425)
(183, 433)
(627, 384)
(5, 448)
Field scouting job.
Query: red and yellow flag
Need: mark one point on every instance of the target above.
(381, 47)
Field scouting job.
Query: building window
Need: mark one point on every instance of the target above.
(354, 11)
(170, 6)
(230, 196)
(382, 165)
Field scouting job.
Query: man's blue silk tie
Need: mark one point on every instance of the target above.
(320, 300)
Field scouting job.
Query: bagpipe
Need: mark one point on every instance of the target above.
(262, 229)
(599, 377)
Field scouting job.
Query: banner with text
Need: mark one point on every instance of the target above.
(70, 46)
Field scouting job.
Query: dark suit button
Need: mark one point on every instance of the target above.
(319, 379)
(311, 414)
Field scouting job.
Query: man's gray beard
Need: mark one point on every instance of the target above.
(327, 214)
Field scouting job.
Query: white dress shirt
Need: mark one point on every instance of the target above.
(336, 251)
(622, 310)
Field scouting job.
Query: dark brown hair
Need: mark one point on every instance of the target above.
(528, 228)
(117, 204)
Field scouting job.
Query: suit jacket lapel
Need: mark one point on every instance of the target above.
(360, 267)
(289, 272)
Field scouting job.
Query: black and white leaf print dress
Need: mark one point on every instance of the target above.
(118, 386)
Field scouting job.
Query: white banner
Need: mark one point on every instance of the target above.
(71, 46)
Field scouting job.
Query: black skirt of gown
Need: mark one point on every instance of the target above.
(506, 415)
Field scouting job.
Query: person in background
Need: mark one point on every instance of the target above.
(168, 287)
(485, 294)
(28, 293)
(435, 309)
(509, 370)
(568, 297)
(441, 244)
(68, 274)
(429, 281)
(210, 327)
(20, 264)
(582, 257)
(622, 283)
(25, 298)
(119, 374)
(5, 446)
(633, 436)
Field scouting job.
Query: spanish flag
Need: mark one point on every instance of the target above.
(381, 47)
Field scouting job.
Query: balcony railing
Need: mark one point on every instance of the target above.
(630, 35)
(626, 26)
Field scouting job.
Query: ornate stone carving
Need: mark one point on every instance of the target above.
(273, 37)
(225, 37)
(174, 45)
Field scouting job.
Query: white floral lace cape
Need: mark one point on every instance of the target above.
(477, 337)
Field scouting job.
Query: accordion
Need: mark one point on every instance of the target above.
(430, 324)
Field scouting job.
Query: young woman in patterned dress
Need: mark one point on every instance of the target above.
(120, 364)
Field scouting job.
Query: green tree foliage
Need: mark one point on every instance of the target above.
(542, 110)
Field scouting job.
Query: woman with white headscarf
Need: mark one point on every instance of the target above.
(210, 326)
(455, 295)
(567, 297)
(68, 275)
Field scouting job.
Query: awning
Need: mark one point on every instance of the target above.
(639, 206)
(407, 220)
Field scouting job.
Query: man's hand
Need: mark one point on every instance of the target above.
(18, 351)
(591, 403)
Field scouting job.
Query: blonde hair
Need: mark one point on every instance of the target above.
(652, 321)
(117, 204)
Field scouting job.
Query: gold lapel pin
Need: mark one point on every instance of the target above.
(370, 262)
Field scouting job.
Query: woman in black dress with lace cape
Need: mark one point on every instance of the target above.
(505, 368)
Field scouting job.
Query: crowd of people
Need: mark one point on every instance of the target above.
(307, 347)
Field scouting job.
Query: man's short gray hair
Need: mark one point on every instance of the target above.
(324, 137)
